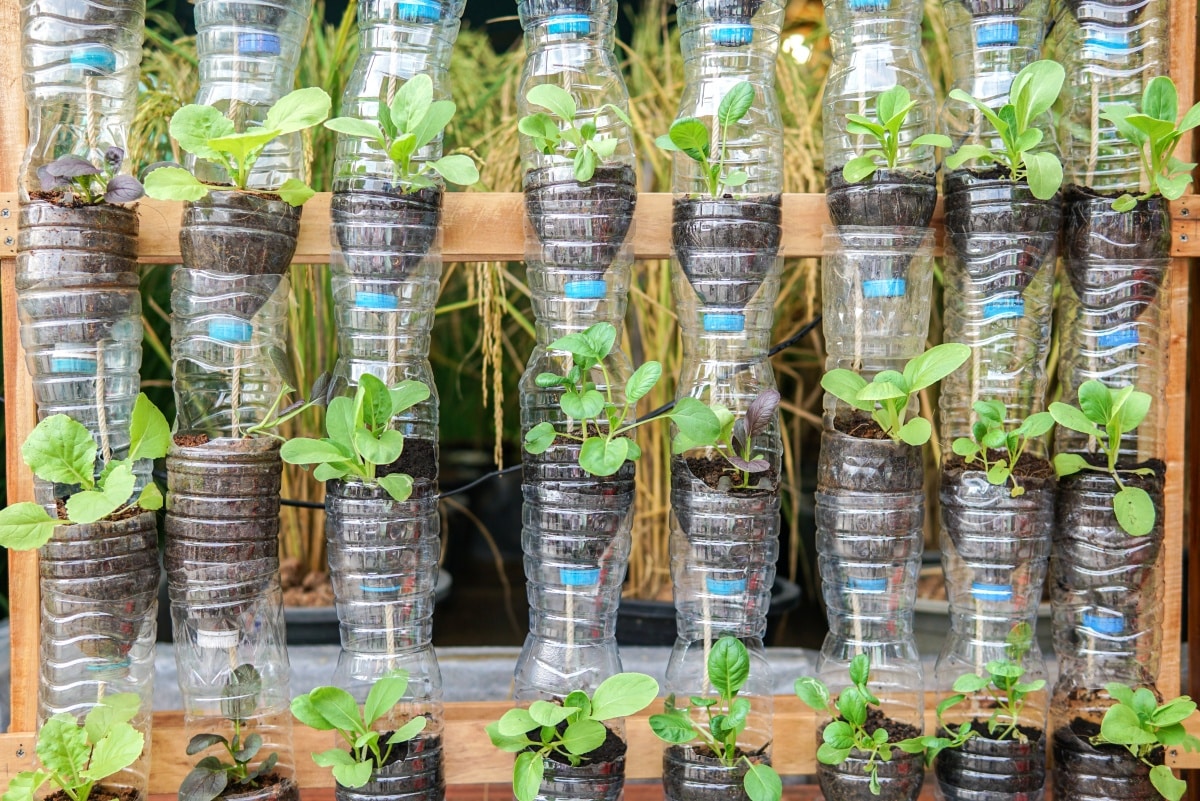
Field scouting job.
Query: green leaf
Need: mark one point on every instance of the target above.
(736, 102)
(1068, 464)
(338, 707)
(435, 120)
(852, 706)
(540, 438)
(582, 406)
(1134, 510)
(295, 192)
(970, 683)
(932, 140)
(398, 486)
(728, 666)
(599, 456)
(303, 450)
(691, 136)
(62, 746)
(509, 744)
(1037, 425)
(92, 505)
(149, 432)
(406, 395)
(25, 526)
(116, 751)
(602, 336)
(642, 381)
(555, 99)
(516, 722)
(1165, 782)
(829, 755)
(61, 450)
(409, 730)
(376, 402)
(527, 775)
(332, 758)
(297, 110)
(192, 126)
(402, 149)
(622, 695)
(839, 734)
(584, 736)
(846, 385)
(361, 129)
(1133, 411)
(585, 164)
(934, 364)
(695, 421)
(457, 168)
(968, 153)
(964, 447)
(674, 727)
(545, 713)
(114, 709)
(542, 129)
(860, 168)
(946, 704)
(1121, 726)
(1074, 419)
(150, 498)
(916, 431)
(384, 694)
(305, 712)
(735, 178)
(1044, 173)
(813, 693)
(762, 783)
(890, 103)
(243, 147)
(1035, 89)
(23, 786)
(860, 670)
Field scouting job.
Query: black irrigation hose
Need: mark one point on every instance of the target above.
(804, 331)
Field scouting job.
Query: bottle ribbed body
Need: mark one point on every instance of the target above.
(99, 608)
(248, 51)
(1084, 772)
(990, 42)
(691, 775)
(1110, 50)
(592, 781)
(80, 314)
(80, 64)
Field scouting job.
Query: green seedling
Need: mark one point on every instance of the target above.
(1006, 693)
(690, 136)
(1141, 725)
(988, 434)
(559, 129)
(891, 110)
(735, 440)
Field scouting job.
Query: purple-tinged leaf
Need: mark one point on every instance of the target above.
(753, 466)
(49, 181)
(113, 158)
(762, 411)
(123, 189)
(72, 167)
(739, 435)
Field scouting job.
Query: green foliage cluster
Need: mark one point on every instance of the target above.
(690, 136)
(735, 439)
(1139, 723)
(1006, 693)
(891, 110)
(576, 138)
(988, 434)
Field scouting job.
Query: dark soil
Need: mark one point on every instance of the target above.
(860, 426)
(1030, 469)
(419, 460)
(695, 774)
(711, 470)
(239, 233)
(900, 778)
(1007, 768)
(1091, 229)
(1152, 483)
(727, 246)
(612, 749)
(82, 246)
(60, 507)
(581, 225)
(386, 233)
(101, 793)
(889, 198)
(1083, 770)
(271, 787)
(987, 201)
(870, 462)
(190, 440)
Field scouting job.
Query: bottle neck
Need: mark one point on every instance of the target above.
(857, 32)
(567, 301)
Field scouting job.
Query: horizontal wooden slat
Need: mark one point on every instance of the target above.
(490, 227)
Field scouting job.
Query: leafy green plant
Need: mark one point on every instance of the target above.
(735, 440)
(212, 775)
(723, 719)
(1155, 133)
(62, 450)
(1105, 415)
(574, 136)
(847, 732)
(889, 393)
(77, 180)
(690, 136)
(605, 446)
(1033, 93)
(209, 135)
(75, 758)
(275, 417)
(891, 110)
(988, 434)
(358, 437)
(1006, 693)
(334, 709)
(412, 120)
(568, 731)
(1139, 723)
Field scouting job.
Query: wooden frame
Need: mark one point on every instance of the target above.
(485, 227)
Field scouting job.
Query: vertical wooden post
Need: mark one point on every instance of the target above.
(19, 412)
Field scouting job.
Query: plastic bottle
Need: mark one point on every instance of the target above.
(81, 67)
(248, 52)
(1110, 50)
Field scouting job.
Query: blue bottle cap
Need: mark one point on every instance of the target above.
(579, 576)
(733, 35)
(586, 290)
(1004, 307)
(418, 10)
(1102, 624)
(884, 288)
(869, 5)
(258, 44)
(97, 58)
(375, 300)
(725, 586)
(73, 364)
(230, 329)
(867, 585)
(1121, 338)
(994, 34)
(991, 592)
(365, 588)
(569, 23)
(725, 322)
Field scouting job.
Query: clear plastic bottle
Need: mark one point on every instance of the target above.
(81, 64)
(383, 558)
(876, 45)
(990, 42)
(248, 52)
(1110, 50)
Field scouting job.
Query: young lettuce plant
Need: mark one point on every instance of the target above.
(1033, 93)
(891, 109)
(1155, 133)
(62, 451)
(690, 136)
(1105, 415)
(334, 709)
(735, 440)
(604, 444)
(412, 120)
(574, 137)
(79, 181)
(209, 135)
(1141, 725)
(847, 732)
(888, 395)
(988, 435)
(1007, 694)
(568, 731)
(76, 758)
(358, 438)
(212, 775)
(723, 719)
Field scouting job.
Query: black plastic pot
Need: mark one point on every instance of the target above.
(580, 225)
(726, 246)
(691, 776)
(239, 233)
(983, 769)
(1084, 772)
(887, 199)
(415, 775)
(386, 234)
